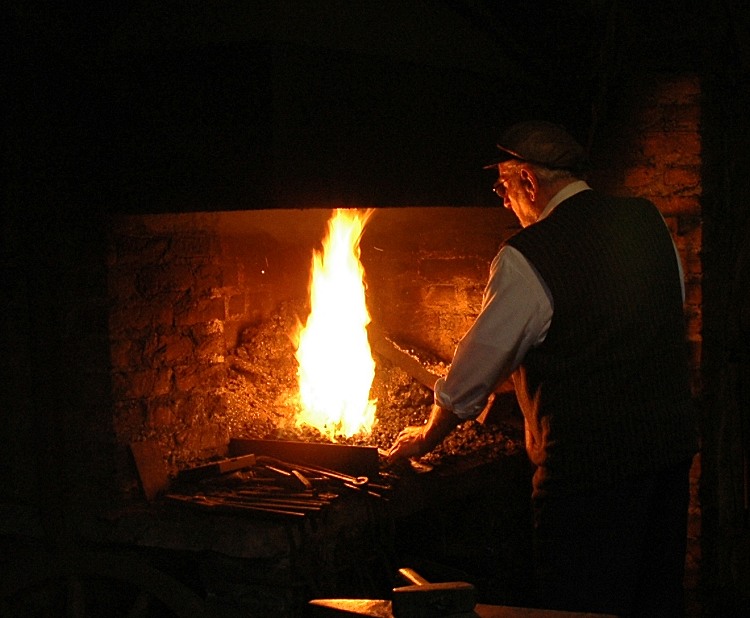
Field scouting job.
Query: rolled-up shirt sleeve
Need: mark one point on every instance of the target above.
(515, 316)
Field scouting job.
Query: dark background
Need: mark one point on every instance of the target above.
(234, 105)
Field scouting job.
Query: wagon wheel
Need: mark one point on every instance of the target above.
(94, 585)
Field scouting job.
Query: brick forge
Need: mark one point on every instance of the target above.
(183, 287)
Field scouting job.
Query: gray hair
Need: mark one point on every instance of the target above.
(545, 174)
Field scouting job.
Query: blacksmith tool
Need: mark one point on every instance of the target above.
(217, 505)
(419, 599)
(350, 480)
(386, 348)
(448, 600)
(422, 599)
(339, 608)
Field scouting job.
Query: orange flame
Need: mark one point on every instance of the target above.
(336, 368)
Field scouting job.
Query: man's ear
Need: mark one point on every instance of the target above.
(529, 183)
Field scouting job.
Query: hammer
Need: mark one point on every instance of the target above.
(421, 599)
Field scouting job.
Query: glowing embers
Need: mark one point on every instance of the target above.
(336, 368)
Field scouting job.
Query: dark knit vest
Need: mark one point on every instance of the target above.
(606, 396)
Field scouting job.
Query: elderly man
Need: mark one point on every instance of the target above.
(584, 309)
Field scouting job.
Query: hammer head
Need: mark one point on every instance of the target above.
(433, 600)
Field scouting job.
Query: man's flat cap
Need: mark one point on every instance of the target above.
(542, 143)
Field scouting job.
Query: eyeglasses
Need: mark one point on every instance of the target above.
(499, 189)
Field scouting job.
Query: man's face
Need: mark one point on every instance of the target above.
(512, 187)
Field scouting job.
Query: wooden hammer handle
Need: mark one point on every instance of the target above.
(412, 577)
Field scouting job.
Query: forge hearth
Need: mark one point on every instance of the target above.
(204, 306)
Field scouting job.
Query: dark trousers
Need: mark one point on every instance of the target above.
(620, 551)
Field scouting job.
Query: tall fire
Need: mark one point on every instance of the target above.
(336, 368)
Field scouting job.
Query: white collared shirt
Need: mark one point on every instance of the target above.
(516, 313)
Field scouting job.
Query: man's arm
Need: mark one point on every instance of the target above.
(515, 316)
(516, 313)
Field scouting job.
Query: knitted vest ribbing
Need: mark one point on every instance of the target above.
(606, 396)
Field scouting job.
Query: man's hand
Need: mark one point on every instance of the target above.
(416, 441)
(409, 443)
